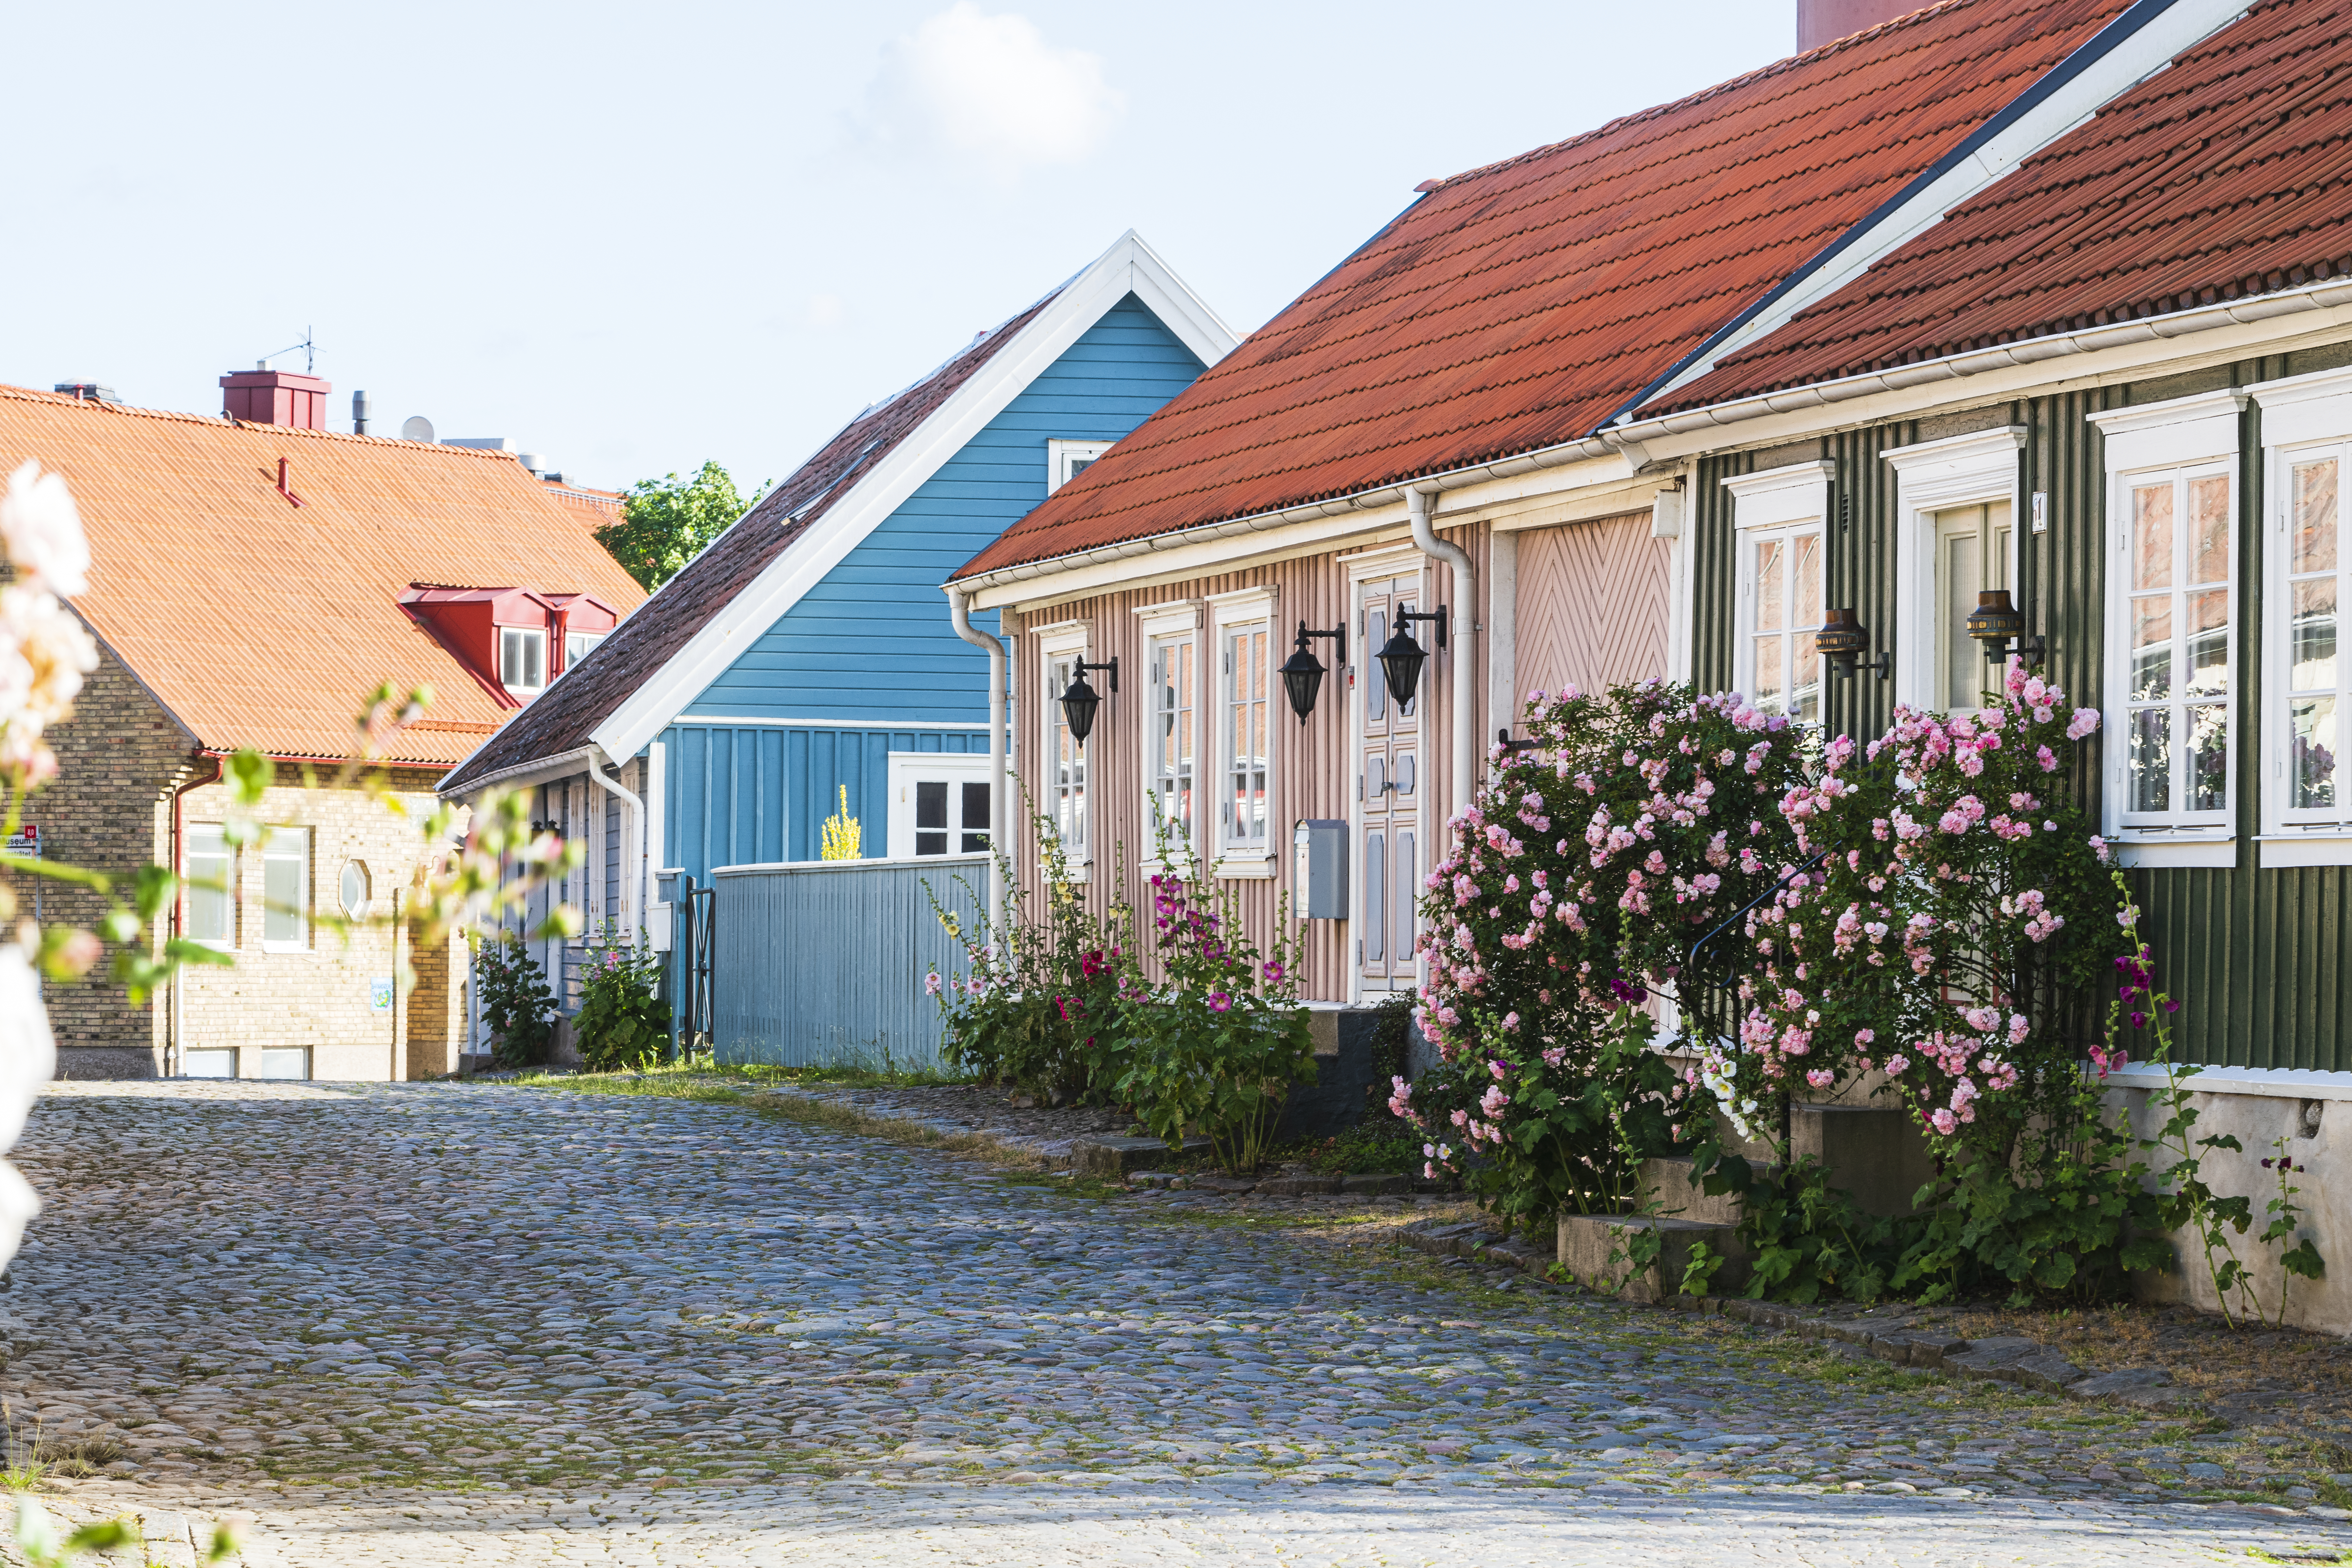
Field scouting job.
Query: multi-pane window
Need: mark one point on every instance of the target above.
(577, 645)
(522, 658)
(1783, 572)
(212, 886)
(1246, 737)
(286, 889)
(2310, 779)
(950, 811)
(1066, 761)
(2178, 646)
(1169, 734)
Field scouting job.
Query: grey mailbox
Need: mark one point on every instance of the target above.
(1320, 869)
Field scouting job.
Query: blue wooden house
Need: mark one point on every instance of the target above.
(805, 657)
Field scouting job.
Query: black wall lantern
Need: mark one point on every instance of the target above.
(1844, 639)
(1402, 658)
(1302, 672)
(1079, 702)
(1995, 621)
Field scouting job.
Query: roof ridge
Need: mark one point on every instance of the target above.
(1658, 111)
(217, 422)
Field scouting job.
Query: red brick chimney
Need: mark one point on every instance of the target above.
(1822, 22)
(265, 397)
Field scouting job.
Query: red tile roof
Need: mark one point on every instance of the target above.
(261, 624)
(567, 713)
(2229, 174)
(1524, 304)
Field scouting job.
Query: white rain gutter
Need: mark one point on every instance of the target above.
(633, 839)
(2327, 296)
(959, 610)
(1464, 619)
(1259, 523)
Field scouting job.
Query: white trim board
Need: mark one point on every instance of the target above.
(1974, 470)
(1129, 266)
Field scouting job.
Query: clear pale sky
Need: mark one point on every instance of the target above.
(634, 237)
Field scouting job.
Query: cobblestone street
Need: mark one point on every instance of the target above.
(458, 1324)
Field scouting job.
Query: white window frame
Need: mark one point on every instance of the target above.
(1240, 611)
(1069, 640)
(1065, 459)
(1790, 502)
(2183, 439)
(538, 634)
(587, 641)
(1161, 627)
(218, 842)
(908, 769)
(275, 849)
(2301, 416)
(1980, 468)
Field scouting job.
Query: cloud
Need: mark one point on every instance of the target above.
(989, 90)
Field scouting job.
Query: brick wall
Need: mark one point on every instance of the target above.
(312, 1006)
(110, 810)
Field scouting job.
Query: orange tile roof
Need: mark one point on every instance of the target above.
(597, 508)
(2226, 176)
(261, 624)
(1523, 305)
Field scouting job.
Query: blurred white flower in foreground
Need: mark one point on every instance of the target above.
(43, 530)
(28, 1059)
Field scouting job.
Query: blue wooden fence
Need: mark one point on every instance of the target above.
(821, 963)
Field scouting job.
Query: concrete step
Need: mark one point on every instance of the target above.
(1595, 1251)
(1873, 1151)
(1115, 1157)
(1677, 1195)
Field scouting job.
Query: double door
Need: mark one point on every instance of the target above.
(1388, 793)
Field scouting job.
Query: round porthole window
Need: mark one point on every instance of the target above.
(355, 889)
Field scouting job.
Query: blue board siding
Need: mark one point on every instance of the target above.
(753, 794)
(871, 644)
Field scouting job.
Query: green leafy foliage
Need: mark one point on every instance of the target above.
(665, 522)
(1214, 1035)
(1038, 1004)
(623, 1020)
(515, 999)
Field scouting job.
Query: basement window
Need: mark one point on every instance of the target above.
(522, 660)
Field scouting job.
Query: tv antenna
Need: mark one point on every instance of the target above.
(309, 353)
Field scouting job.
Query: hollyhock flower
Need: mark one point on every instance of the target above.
(1219, 1002)
(1274, 970)
(44, 532)
(931, 983)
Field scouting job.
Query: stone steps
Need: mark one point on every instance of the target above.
(1596, 1251)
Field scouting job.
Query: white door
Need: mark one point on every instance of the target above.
(1388, 785)
(1972, 552)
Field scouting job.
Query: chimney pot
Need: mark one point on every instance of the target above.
(359, 413)
(1822, 22)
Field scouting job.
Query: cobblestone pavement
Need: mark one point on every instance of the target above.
(460, 1324)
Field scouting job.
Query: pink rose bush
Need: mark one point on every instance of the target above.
(1950, 903)
(1581, 876)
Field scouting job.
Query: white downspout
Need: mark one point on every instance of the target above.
(633, 902)
(1463, 620)
(999, 850)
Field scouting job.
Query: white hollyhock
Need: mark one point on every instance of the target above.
(43, 530)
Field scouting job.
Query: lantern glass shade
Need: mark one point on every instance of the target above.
(1401, 662)
(1302, 677)
(1078, 705)
(1995, 621)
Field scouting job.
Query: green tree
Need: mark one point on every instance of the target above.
(665, 521)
